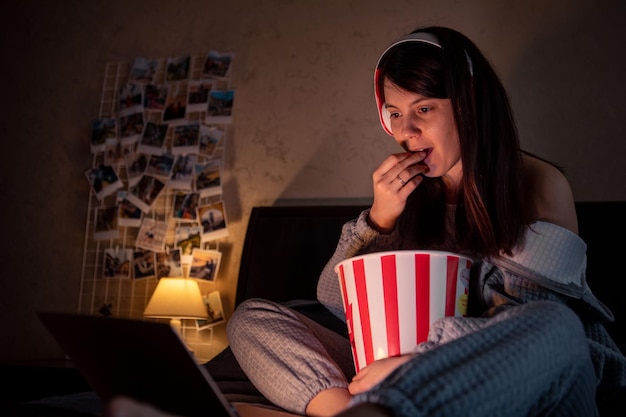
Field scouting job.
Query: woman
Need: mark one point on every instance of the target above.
(533, 343)
(462, 184)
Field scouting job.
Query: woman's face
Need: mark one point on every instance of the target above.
(423, 123)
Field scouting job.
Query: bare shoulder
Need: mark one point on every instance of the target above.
(550, 193)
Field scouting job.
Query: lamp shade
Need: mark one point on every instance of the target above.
(178, 298)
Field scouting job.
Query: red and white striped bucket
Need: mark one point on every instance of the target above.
(392, 298)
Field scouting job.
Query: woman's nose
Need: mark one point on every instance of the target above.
(410, 127)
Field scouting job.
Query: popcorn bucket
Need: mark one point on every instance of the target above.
(392, 298)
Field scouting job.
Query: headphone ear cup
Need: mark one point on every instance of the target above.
(383, 114)
(385, 119)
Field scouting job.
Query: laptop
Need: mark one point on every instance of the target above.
(146, 361)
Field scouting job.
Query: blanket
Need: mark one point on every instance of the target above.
(550, 265)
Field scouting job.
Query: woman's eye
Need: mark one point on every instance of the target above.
(423, 110)
(394, 115)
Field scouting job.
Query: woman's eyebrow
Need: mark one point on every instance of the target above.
(413, 103)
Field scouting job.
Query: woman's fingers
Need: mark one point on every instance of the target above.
(394, 180)
(375, 373)
(402, 159)
(408, 169)
(401, 167)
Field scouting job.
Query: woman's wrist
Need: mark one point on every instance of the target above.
(380, 229)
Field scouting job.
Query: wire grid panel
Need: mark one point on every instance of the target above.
(122, 297)
(128, 297)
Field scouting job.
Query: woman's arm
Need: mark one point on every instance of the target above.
(357, 237)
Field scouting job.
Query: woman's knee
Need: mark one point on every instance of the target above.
(559, 318)
(248, 312)
(560, 331)
(259, 317)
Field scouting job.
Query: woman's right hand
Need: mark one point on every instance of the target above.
(394, 180)
(375, 372)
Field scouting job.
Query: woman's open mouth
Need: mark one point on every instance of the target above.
(427, 151)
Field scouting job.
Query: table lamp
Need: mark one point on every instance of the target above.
(176, 299)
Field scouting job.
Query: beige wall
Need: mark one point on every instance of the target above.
(305, 125)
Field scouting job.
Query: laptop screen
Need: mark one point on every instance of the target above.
(140, 359)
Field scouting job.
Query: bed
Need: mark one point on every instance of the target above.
(284, 251)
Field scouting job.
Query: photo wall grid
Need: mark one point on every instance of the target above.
(155, 203)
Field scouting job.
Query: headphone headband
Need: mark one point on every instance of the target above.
(423, 37)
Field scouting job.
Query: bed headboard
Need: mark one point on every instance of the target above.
(286, 248)
(602, 225)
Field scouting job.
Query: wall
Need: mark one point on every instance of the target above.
(305, 125)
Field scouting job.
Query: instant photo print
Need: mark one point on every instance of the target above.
(205, 264)
(212, 217)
